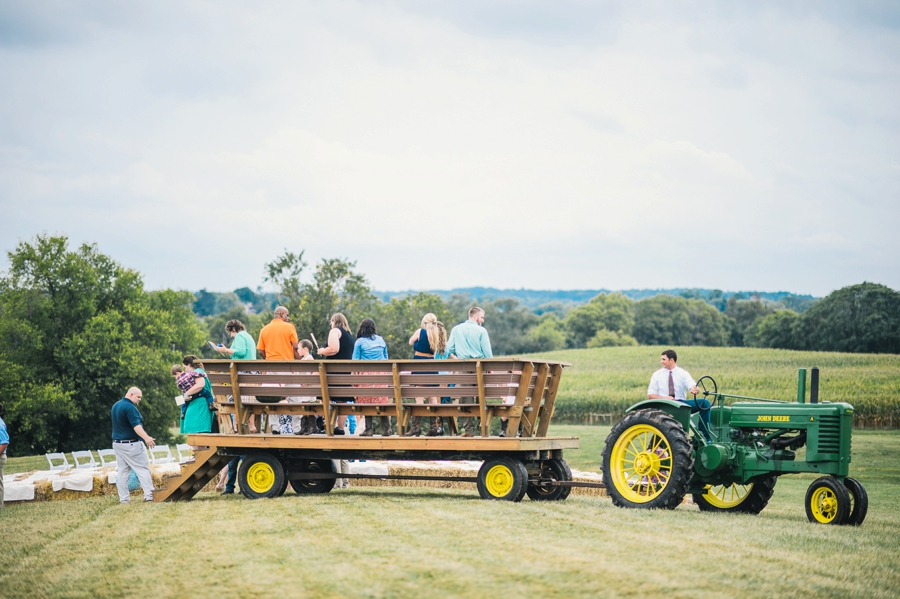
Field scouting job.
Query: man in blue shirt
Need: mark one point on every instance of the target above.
(129, 438)
(469, 340)
(4, 443)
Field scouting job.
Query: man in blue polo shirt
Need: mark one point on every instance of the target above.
(129, 437)
(468, 341)
(4, 443)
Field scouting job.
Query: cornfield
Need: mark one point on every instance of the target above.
(606, 381)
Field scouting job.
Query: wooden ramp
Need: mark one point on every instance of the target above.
(194, 476)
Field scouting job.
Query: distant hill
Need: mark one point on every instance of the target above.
(535, 298)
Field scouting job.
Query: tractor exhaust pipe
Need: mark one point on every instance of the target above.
(801, 385)
(814, 385)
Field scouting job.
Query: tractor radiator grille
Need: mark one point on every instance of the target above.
(830, 434)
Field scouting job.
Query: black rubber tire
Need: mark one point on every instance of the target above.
(284, 485)
(682, 461)
(556, 470)
(859, 500)
(276, 478)
(509, 467)
(755, 501)
(841, 494)
(322, 485)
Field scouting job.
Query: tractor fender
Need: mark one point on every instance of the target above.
(679, 411)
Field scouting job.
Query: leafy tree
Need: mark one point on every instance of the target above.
(668, 320)
(745, 315)
(509, 325)
(399, 318)
(862, 318)
(548, 335)
(777, 330)
(605, 338)
(76, 330)
(335, 287)
(608, 311)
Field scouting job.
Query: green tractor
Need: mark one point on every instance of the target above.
(659, 452)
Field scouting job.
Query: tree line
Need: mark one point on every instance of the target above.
(77, 329)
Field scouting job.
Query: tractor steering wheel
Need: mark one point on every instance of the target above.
(702, 385)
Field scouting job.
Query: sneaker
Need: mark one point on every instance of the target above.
(339, 431)
(227, 492)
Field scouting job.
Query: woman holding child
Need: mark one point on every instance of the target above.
(199, 404)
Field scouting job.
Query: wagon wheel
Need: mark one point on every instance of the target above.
(647, 461)
(261, 475)
(859, 502)
(502, 479)
(827, 501)
(550, 470)
(304, 486)
(747, 499)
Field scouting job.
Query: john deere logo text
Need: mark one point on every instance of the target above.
(773, 418)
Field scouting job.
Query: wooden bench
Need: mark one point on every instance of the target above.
(531, 383)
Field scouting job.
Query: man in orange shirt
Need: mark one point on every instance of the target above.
(278, 341)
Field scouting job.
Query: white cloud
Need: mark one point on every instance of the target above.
(456, 144)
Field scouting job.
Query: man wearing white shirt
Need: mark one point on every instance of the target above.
(673, 382)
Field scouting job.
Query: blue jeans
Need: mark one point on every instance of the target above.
(232, 474)
(702, 406)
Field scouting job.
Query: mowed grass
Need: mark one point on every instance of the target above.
(608, 380)
(422, 543)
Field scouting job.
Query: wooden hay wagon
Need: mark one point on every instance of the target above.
(523, 391)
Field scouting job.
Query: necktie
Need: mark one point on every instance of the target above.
(671, 385)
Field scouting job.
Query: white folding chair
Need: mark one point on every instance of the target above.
(161, 454)
(107, 457)
(184, 452)
(60, 457)
(86, 457)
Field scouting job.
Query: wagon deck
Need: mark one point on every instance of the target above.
(524, 391)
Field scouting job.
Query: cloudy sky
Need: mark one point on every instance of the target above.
(511, 144)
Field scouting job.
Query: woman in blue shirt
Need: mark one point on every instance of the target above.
(371, 346)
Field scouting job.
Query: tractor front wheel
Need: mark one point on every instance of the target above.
(827, 501)
(647, 461)
(746, 499)
(859, 502)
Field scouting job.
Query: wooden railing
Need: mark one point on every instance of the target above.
(521, 390)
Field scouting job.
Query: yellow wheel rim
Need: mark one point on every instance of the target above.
(824, 505)
(641, 463)
(499, 481)
(260, 477)
(729, 496)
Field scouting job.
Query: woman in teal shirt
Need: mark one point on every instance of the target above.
(243, 347)
(198, 417)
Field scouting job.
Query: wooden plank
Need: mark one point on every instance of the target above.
(482, 401)
(239, 418)
(398, 398)
(326, 399)
(530, 420)
(512, 425)
(549, 403)
(393, 443)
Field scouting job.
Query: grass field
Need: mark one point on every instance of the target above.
(609, 380)
(430, 543)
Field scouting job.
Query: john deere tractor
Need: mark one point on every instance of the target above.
(659, 452)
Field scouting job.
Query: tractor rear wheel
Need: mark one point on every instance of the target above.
(827, 501)
(859, 502)
(502, 479)
(304, 486)
(261, 476)
(553, 470)
(647, 461)
(746, 499)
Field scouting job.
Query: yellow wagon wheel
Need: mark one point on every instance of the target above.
(261, 475)
(647, 461)
(827, 501)
(503, 479)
